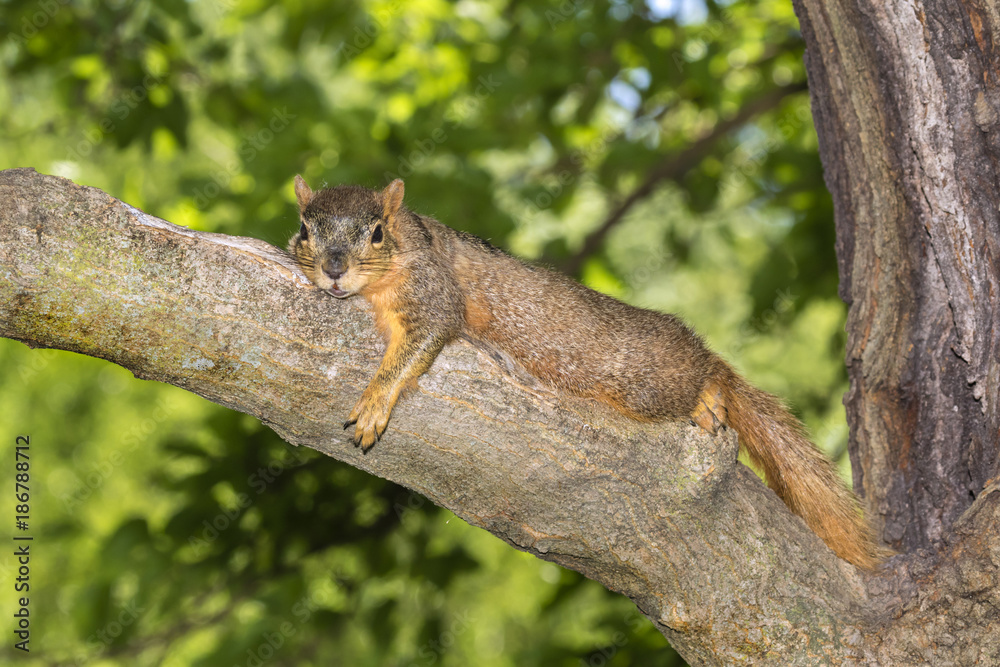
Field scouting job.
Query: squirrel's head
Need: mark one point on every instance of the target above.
(349, 235)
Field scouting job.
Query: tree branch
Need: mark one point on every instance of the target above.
(663, 514)
(674, 167)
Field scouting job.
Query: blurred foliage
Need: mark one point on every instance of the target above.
(172, 532)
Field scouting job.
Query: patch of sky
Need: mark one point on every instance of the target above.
(685, 12)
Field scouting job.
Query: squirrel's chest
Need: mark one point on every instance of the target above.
(390, 315)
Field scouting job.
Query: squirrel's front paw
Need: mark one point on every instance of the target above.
(370, 417)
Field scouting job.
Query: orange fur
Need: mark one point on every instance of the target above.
(429, 284)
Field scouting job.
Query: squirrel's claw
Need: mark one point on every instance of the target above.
(366, 439)
(371, 418)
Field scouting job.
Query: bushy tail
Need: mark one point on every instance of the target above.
(799, 473)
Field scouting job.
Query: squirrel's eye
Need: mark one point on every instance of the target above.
(377, 234)
(303, 233)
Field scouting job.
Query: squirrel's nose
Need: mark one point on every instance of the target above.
(334, 266)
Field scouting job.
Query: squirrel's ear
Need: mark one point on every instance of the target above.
(393, 198)
(302, 192)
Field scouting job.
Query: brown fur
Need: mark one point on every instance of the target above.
(430, 284)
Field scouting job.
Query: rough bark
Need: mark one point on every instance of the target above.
(663, 514)
(907, 109)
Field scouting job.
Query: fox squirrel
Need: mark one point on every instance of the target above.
(430, 284)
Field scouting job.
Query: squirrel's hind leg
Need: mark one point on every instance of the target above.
(710, 412)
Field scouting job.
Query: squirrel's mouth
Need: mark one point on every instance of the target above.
(337, 292)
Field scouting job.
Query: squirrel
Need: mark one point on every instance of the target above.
(429, 284)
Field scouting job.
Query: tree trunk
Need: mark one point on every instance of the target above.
(907, 107)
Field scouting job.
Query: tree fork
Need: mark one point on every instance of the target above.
(663, 514)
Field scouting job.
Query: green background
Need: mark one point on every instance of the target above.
(169, 531)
